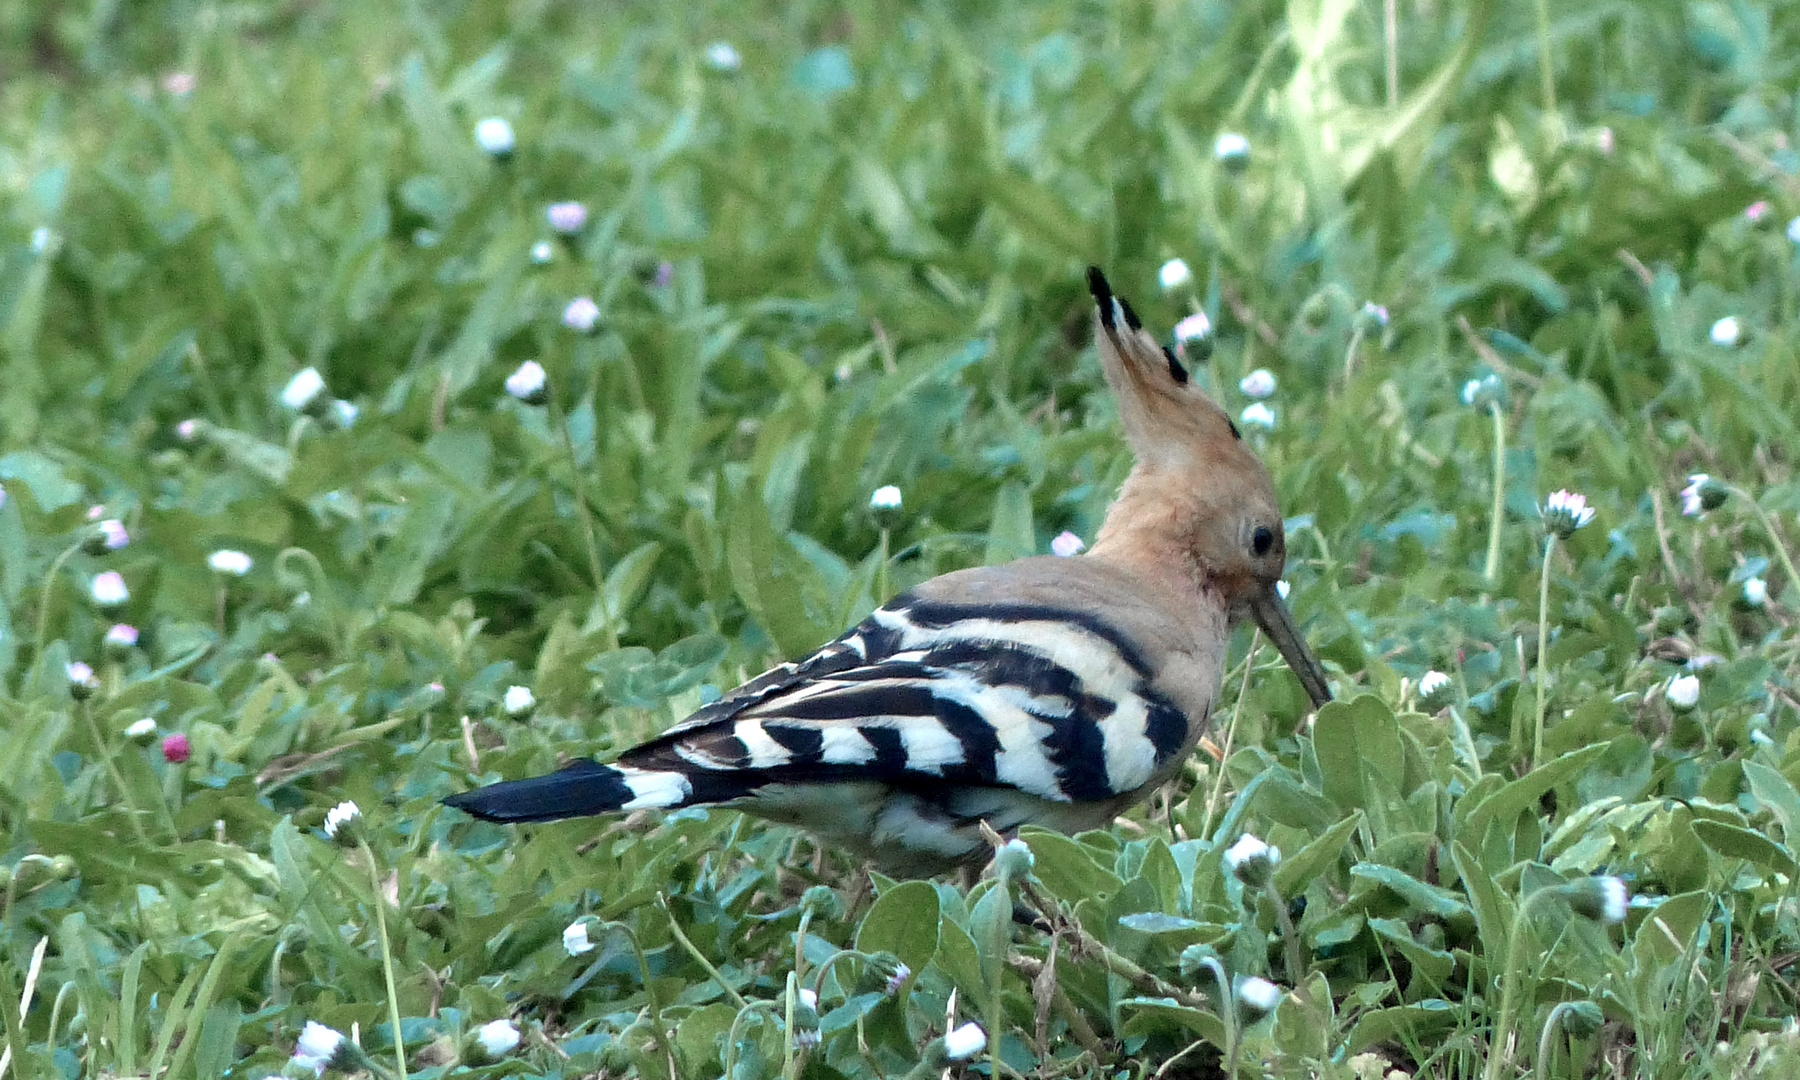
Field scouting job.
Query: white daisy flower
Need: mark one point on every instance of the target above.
(109, 590)
(340, 820)
(518, 700)
(229, 562)
(527, 383)
(1258, 415)
(303, 389)
(723, 56)
(1231, 148)
(581, 314)
(575, 938)
(1258, 384)
(1565, 511)
(965, 1042)
(497, 1037)
(495, 136)
(567, 218)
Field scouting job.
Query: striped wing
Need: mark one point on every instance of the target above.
(929, 695)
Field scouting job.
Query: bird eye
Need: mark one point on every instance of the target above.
(1262, 540)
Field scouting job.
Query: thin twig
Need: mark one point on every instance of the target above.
(1491, 357)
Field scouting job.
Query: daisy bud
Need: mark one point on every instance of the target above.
(1565, 511)
(187, 430)
(885, 973)
(1756, 211)
(108, 589)
(43, 238)
(304, 390)
(1231, 150)
(518, 701)
(1174, 274)
(581, 314)
(342, 822)
(142, 732)
(965, 1042)
(806, 1018)
(1793, 230)
(82, 683)
(1434, 691)
(1256, 998)
(1014, 858)
(1683, 692)
(1258, 415)
(528, 383)
(108, 535)
(723, 56)
(575, 938)
(1701, 495)
(1601, 899)
(1756, 591)
(1484, 391)
(1067, 544)
(321, 1048)
(230, 563)
(543, 253)
(1251, 861)
(1258, 384)
(497, 1038)
(176, 748)
(343, 413)
(495, 137)
(121, 638)
(1193, 337)
(1604, 141)
(1582, 1019)
(1282, 588)
(179, 83)
(884, 506)
(566, 218)
(1375, 316)
(1726, 331)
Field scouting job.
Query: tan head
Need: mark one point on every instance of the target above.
(1198, 495)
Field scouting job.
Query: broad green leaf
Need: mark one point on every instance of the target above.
(1737, 842)
(1010, 534)
(44, 477)
(1069, 869)
(905, 921)
(1775, 792)
(1426, 899)
(1297, 871)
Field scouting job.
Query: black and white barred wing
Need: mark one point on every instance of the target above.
(925, 696)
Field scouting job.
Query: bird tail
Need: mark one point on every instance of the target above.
(580, 788)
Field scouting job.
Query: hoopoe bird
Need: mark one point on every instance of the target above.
(1055, 691)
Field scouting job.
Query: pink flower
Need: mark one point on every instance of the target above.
(1756, 211)
(176, 748)
(1067, 544)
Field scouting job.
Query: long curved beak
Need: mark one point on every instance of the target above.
(1272, 615)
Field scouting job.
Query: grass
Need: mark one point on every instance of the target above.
(855, 260)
